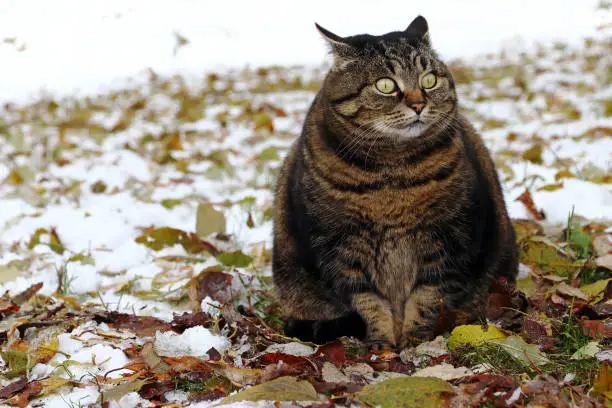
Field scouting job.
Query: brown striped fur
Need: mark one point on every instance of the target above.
(379, 221)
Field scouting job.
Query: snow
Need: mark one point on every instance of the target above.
(82, 53)
(195, 341)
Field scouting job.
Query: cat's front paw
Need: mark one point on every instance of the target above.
(379, 345)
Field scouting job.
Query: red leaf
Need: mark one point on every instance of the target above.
(527, 201)
(334, 352)
(142, 325)
(187, 320)
(273, 358)
(212, 283)
(13, 388)
(596, 328)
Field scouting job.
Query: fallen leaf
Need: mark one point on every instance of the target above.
(587, 351)
(293, 348)
(211, 283)
(434, 348)
(551, 187)
(334, 351)
(163, 237)
(236, 259)
(527, 201)
(604, 261)
(51, 384)
(596, 289)
(119, 391)
(596, 329)
(18, 362)
(542, 252)
(603, 381)
(571, 291)
(209, 220)
(145, 326)
(602, 244)
(409, 392)
(444, 371)
(533, 154)
(280, 389)
(9, 273)
(524, 228)
(527, 354)
(13, 388)
(22, 399)
(24, 296)
(153, 360)
(564, 174)
(330, 373)
(474, 335)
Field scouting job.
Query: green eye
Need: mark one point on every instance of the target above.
(428, 81)
(386, 85)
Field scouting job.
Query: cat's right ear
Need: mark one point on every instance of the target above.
(342, 51)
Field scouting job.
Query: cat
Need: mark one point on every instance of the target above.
(388, 209)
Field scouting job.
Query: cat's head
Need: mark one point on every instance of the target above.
(392, 85)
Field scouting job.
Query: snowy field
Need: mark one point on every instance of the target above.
(139, 146)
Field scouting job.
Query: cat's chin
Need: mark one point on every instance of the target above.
(411, 131)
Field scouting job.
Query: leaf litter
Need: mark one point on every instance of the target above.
(135, 252)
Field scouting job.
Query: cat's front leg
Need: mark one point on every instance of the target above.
(377, 314)
(421, 314)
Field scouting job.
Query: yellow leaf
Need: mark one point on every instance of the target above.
(51, 384)
(595, 289)
(474, 335)
(280, 389)
(209, 220)
(533, 154)
(408, 392)
(564, 174)
(551, 187)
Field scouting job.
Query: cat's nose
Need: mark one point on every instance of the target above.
(417, 107)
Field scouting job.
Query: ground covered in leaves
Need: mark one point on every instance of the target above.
(135, 247)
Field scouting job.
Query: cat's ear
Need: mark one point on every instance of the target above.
(341, 49)
(419, 28)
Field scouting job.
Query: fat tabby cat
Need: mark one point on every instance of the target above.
(388, 207)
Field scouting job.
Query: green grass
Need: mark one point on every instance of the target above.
(570, 338)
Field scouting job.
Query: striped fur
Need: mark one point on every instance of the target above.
(380, 220)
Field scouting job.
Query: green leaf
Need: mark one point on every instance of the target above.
(280, 389)
(542, 252)
(17, 361)
(408, 392)
(237, 259)
(209, 220)
(587, 351)
(170, 203)
(269, 154)
(163, 237)
(527, 354)
(580, 240)
(84, 259)
(595, 289)
(551, 187)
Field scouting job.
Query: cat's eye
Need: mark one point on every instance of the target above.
(428, 81)
(386, 86)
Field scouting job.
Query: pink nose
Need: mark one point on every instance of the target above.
(417, 107)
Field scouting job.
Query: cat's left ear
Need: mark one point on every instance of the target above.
(341, 49)
(419, 28)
